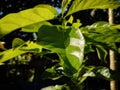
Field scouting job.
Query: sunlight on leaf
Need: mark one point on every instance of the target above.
(79, 5)
(26, 17)
(68, 44)
(11, 53)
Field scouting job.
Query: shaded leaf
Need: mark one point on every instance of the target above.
(68, 44)
(102, 53)
(17, 42)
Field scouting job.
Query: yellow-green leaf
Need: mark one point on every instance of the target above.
(26, 17)
(79, 5)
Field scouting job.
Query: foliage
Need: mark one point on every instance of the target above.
(70, 42)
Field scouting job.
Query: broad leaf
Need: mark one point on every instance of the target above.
(26, 17)
(79, 5)
(11, 53)
(34, 27)
(101, 32)
(68, 44)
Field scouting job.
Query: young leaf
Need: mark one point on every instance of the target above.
(79, 5)
(70, 20)
(26, 17)
(64, 5)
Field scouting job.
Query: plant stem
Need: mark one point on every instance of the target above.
(112, 54)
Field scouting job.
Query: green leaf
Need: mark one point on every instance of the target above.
(117, 26)
(103, 72)
(26, 17)
(102, 53)
(17, 42)
(68, 44)
(85, 71)
(34, 27)
(11, 53)
(70, 20)
(77, 24)
(101, 32)
(79, 5)
(64, 5)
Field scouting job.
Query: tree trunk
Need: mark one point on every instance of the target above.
(113, 61)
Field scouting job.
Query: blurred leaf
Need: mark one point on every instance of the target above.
(17, 42)
(11, 53)
(88, 48)
(70, 20)
(79, 5)
(85, 71)
(26, 17)
(102, 53)
(103, 72)
(64, 5)
(56, 87)
(68, 44)
(77, 24)
(117, 26)
(2, 45)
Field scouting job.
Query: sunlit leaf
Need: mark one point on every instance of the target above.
(77, 24)
(34, 27)
(79, 5)
(64, 5)
(101, 32)
(11, 53)
(70, 20)
(68, 44)
(26, 17)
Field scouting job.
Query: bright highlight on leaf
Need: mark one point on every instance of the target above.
(27, 17)
(79, 5)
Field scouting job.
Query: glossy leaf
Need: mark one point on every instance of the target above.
(68, 44)
(26, 17)
(79, 5)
